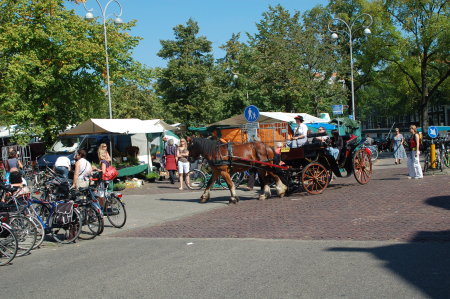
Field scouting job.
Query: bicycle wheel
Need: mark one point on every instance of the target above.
(197, 179)
(26, 233)
(447, 158)
(40, 236)
(8, 244)
(221, 183)
(92, 223)
(115, 211)
(66, 233)
(426, 164)
(237, 178)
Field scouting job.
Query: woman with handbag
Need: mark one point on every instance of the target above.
(414, 167)
(83, 170)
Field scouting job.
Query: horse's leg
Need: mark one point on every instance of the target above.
(279, 186)
(226, 176)
(265, 188)
(205, 196)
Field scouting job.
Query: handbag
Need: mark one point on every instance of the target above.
(110, 174)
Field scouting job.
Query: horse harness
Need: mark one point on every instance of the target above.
(229, 157)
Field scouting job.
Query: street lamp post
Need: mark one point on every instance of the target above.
(349, 32)
(117, 20)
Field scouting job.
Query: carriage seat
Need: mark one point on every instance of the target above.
(349, 139)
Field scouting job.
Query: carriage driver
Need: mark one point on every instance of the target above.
(300, 134)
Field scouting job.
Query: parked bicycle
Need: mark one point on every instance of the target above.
(373, 151)
(8, 241)
(442, 154)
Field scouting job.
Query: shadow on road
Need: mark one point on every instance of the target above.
(439, 201)
(424, 265)
(223, 199)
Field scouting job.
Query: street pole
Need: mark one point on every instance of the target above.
(349, 33)
(117, 20)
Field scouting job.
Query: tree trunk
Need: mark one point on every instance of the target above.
(424, 100)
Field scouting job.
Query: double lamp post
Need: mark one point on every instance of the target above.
(90, 16)
(349, 31)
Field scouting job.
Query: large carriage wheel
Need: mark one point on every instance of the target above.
(362, 166)
(314, 178)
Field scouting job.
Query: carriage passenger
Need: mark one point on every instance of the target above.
(324, 138)
(337, 144)
(300, 134)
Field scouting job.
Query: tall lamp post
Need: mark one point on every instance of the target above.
(349, 32)
(117, 20)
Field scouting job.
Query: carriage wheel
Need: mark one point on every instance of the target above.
(362, 166)
(314, 178)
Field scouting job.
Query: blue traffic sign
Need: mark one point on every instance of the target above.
(251, 113)
(433, 132)
(350, 116)
(338, 109)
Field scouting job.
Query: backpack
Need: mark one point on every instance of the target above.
(64, 212)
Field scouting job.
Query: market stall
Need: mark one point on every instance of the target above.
(141, 134)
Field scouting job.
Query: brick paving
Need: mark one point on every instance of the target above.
(390, 207)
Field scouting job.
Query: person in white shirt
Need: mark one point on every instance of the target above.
(300, 134)
(83, 170)
(62, 166)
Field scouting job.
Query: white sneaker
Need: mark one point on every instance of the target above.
(409, 177)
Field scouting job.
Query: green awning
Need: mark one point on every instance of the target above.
(129, 171)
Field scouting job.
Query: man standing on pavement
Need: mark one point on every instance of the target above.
(62, 166)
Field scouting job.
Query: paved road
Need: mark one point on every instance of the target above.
(298, 247)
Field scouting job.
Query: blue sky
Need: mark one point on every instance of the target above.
(218, 20)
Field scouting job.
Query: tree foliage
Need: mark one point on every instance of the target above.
(186, 84)
(421, 49)
(52, 65)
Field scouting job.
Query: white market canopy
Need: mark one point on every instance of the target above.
(6, 131)
(269, 117)
(119, 126)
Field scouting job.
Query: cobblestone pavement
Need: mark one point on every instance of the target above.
(390, 207)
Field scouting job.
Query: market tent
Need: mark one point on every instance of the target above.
(269, 117)
(132, 126)
(118, 126)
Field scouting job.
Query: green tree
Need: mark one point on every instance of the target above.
(287, 65)
(421, 49)
(186, 84)
(368, 51)
(52, 65)
(134, 96)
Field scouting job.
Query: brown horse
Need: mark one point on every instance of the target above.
(226, 158)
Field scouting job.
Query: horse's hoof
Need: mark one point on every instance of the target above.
(237, 199)
(282, 194)
(262, 197)
(233, 201)
(203, 200)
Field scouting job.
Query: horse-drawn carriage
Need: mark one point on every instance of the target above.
(308, 168)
